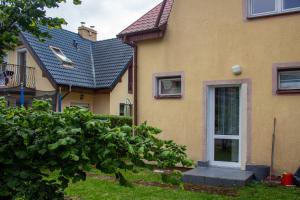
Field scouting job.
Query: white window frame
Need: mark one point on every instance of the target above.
(279, 80)
(279, 9)
(171, 79)
(167, 75)
(66, 61)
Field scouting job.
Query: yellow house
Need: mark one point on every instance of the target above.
(213, 75)
(71, 69)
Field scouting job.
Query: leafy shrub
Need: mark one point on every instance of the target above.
(174, 177)
(37, 140)
(116, 121)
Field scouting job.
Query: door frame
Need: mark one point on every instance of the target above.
(211, 125)
(245, 120)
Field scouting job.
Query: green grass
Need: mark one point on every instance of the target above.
(95, 189)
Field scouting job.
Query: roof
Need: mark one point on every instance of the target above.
(159, 13)
(97, 65)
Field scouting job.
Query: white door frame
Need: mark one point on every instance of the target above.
(210, 104)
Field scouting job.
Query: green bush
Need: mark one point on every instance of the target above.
(174, 177)
(116, 121)
(36, 141)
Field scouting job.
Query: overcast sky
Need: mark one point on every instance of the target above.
(108, 16)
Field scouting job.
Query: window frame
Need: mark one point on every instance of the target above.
(279, 67)
(130, 106)
(67, 62)
(279, 9)
(175, 78)
(158, 77)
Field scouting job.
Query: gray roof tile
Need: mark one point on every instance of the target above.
(96, 64)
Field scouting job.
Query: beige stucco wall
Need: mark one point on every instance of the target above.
(42, 83)
(75, 98)
(102, 104)
(205, 39)
(120, 95)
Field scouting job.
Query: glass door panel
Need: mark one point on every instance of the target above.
(226, 136)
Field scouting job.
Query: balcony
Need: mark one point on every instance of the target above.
(12, 76)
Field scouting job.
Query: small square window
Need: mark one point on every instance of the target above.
(168, 85)
(289, 80)
(125, 109)
(286, 78)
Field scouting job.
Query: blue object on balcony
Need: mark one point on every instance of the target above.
(22, 97)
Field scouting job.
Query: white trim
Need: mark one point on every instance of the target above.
(242, 137)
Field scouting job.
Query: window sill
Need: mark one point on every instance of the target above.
(169, 97)
(282, 92)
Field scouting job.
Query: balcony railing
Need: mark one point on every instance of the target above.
(14, 75)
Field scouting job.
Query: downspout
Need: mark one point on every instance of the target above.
(135, 81)
(61, 98)
(135, 85)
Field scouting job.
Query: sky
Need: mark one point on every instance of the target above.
(108, 16)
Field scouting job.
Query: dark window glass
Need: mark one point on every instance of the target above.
(263, 6)
(227, 110)
(289, 4)
(130, 79)
(226, 150)
(289, 80)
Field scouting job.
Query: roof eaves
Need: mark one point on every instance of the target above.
(121, 74)
(38, 60)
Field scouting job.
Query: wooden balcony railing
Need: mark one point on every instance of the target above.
(16, 74)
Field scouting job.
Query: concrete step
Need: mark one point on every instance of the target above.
(217, 176)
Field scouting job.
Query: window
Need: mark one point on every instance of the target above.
(286, 78)
(130, 79)
(125, 109)
(81, 105)
(168, 85)
(60, 55)
(272, 7)
(289, 80)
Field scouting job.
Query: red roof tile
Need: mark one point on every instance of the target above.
(148, 21)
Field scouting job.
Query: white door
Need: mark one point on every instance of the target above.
(224, 126)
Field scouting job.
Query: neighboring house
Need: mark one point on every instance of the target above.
(72, 69)
(214, 74)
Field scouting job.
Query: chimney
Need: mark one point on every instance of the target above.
(87, 33)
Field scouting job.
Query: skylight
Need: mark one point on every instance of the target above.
(60, 55)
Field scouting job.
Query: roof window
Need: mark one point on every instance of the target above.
(60, 55)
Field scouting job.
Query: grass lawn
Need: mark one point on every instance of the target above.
(97, 188)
